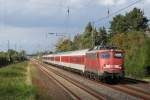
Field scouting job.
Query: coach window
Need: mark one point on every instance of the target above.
(105, 55)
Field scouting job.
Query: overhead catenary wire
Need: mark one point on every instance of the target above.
(118, 11)
(68, 10)
(67, 21)
(109, 15)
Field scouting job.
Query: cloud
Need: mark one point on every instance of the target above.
(147, 1)
(111, 2)
(33, 18)
(35, 12)
(32, 13)
(30, 38)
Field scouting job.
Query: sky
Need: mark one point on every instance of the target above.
(26, 23)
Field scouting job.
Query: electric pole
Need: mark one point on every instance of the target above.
(93, 37)
(8, 46)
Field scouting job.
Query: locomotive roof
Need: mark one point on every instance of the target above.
(104, 47)
(105, 50)
(69, 53)
(84, 51)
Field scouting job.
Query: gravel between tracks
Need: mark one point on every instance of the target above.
(79, 92)
(47, 88)
(114, 94)
(100, 88)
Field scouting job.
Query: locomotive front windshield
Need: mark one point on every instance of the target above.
(105, 55)
(118, 55)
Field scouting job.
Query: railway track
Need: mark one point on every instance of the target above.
(49, 76)
(93, 94)
(133, 91)
(136, 92)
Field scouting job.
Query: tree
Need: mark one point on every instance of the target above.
(95, 37)
(136, 20)
(3, 58)
(101, 36)
(88, 28)
(64, 45)
(11, 56)
(119, 24)
(132, 21)
(86, 38)
(22, 55)
(77, 41)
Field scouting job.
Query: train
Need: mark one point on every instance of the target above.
(100, 63)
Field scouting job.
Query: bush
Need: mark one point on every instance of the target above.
(11, 56)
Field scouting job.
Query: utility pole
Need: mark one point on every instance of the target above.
(68, 11)
(8, 46)
(108, 12)
(67, 23)
(15, 47)
(93, 38)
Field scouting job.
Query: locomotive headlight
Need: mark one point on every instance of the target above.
(106, 66)
(118, 66)
(112, 66)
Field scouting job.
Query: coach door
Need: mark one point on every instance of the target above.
(97, 63)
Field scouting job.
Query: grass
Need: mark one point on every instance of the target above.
(13, 84)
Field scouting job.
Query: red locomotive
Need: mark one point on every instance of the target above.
(98, 63)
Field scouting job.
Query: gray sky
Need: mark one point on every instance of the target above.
(25, 23)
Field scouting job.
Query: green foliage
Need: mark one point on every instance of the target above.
(128, 33)
(137, 52)
(4, 58)
(11, 56)
(65, 45)
(88, 39)
(88, 29)
(132, 21)
(119, 24)
(77, 41)
(130, 36)
(136, 20)
(13, 85)
(101, 36)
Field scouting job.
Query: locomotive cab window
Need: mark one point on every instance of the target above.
(118, 55)
(105, 55)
